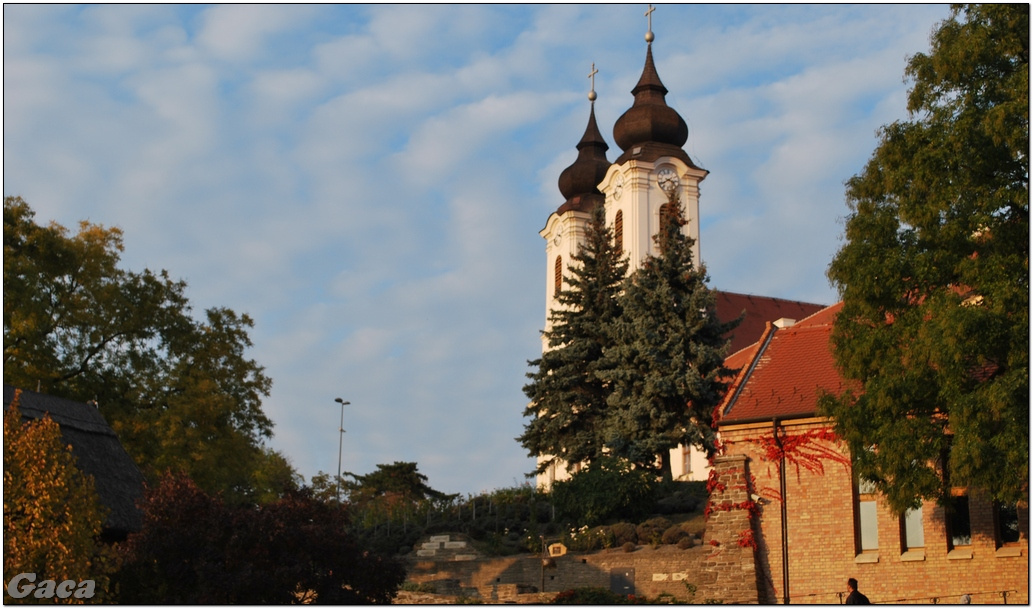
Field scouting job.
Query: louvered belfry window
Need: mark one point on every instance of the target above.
(618, 230)
(558, 274)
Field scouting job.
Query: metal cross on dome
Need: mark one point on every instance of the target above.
(591, 75)
(649, 19)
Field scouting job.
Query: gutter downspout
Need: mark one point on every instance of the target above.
(775, 427)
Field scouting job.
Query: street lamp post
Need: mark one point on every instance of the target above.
(340, 445)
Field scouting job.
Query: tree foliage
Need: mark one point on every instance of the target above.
(400, 479)
(934, 273)
(52, 514)
(667, 359)
(569, 387)
(607, 489)
(181, 393)
(196, 549)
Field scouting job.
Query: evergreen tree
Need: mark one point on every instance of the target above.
(667, 362)
(934, 274)
(568, 390)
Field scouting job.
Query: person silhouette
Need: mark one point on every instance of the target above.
(855, 597)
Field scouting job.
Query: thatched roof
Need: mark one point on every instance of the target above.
(98, 452)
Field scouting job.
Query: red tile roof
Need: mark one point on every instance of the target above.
(784, 373)
(759, 310)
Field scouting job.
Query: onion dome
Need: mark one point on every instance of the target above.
(651, 129)
(579, 182)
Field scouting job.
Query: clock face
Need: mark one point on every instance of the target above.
(618, 187)
(666, 179)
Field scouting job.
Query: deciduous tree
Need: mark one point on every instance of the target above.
(52, 514)
(181, 393)
(196, 549)
(934, 273)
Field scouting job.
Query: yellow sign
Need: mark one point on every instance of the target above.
(557, 549)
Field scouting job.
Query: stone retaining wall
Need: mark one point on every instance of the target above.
(722, 569)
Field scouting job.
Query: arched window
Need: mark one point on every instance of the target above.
(558, 275)
(618, 230)
(665, 212)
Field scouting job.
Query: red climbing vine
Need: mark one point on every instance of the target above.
(807, 450)
(746, 539)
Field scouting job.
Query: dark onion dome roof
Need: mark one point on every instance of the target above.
(650, 128)
(579, 183)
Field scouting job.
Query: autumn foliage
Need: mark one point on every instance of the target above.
(52, 515)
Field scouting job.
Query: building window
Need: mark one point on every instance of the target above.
(665, 213)
(618, 230)
(686, 456)
(558, 275)
(959, 527)
(1006, 523)
(865, 521)
(912, 536)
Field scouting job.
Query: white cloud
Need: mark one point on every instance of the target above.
(244, 32)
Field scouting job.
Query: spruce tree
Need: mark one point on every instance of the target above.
(567, 390)
(667, 363)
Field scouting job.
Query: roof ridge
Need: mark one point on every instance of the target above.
(819, 304)
(825, 311)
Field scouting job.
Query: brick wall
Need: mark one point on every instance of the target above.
(821, 541)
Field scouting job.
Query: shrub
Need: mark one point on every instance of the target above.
(603, 536)
(607, 489)
(686, 542)
(680, 502)
(652, 530)
(623, 532)
(629, 547)
(674, 534)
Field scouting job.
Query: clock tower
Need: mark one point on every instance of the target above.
(652, 170)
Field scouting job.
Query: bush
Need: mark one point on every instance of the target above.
(608, 489)
(652, 530)
(587, 540)
(686, 542)
(603, 536)
(678, 503)
(629, 547)
(623, 532)
(425, 587)
(674, 534)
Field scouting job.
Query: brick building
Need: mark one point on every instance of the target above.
(815, 527)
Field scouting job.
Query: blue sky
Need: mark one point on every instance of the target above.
(368, 181)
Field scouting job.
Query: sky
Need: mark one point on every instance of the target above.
(367, 182)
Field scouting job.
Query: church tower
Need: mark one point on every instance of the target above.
(652, 169)
(564, 231)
